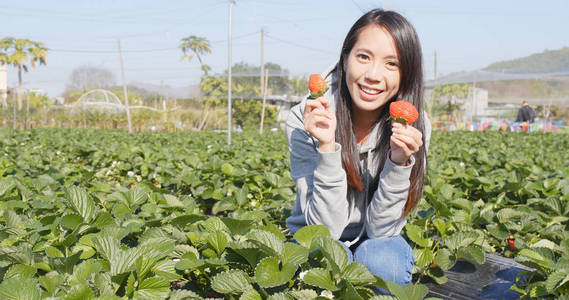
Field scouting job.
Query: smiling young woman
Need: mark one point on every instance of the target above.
(355, 171)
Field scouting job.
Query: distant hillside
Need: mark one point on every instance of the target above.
(549, 61)
(190, 91)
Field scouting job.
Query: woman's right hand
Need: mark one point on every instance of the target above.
(320, 121)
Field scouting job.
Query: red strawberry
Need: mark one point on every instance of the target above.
(403, 112)
(511, 242)
(317, 86)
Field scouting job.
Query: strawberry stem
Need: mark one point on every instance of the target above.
(315, 95)
(399, 119)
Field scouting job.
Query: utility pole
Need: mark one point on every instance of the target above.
(262, 59)
(229, 77)
(435, 65)
(264, 101)
(473, 108)
(15, 112)
(124, 89)
(27, 110)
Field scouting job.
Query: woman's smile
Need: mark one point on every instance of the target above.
(369, 94)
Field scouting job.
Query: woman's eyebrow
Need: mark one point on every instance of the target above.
(366, 50)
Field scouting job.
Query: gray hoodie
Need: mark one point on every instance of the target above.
(322, 187)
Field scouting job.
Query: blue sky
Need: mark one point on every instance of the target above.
(302, 36)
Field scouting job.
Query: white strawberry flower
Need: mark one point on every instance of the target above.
(130, 173)
(327, 294)
(301, 275)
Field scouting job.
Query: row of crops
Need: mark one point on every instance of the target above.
(88, 214)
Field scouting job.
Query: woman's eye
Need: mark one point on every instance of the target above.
(363, 57)
(393, 64)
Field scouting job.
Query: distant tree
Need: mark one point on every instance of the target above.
(299, 85)
(248, 114)
(19, 52)
(445, 97)
(245, 74)
(38, 100)
(85, 78)
(198, 46)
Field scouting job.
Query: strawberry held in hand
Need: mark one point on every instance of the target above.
(403, 112)
(317, 86)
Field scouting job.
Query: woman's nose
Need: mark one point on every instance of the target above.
(374, 73)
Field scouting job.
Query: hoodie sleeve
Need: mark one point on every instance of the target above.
(383, 216)
(320, 179)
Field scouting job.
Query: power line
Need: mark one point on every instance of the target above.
(110, 51)
(144, 50)
(300, 46)
(358, 6)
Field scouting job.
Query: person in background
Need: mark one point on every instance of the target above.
(357, 172)
(526, 115)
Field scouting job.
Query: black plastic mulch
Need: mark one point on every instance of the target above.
(491, 280)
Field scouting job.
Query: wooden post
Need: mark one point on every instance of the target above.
(262, 59)
(264, 100)
(124, 89)
(15, 107)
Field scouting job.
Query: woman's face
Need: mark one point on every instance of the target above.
(372, 70)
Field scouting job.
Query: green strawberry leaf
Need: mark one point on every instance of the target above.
(153, 288)
(357, 274)
(270, 272)
(321, 278)
(445, 259)
(415, 233)
(20, 288)
(333, 251)
(267, 241)
(80, 201)
(294, 254)
(218, 240)
(472, 253)
(305, 235)
(250, 294)
(409, 292)
(303, 294)
(231, 282)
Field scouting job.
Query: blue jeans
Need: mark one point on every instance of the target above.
(390, 258)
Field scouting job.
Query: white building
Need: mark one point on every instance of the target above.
(3, 84)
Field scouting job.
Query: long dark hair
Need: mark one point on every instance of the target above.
(410, 89)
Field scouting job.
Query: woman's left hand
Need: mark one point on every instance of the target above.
(405, 141)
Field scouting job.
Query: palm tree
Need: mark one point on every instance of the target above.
(18, 52)
(198, 46)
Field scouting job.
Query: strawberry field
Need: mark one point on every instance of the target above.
(87, 214)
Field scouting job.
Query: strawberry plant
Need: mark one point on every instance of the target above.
(484, 187)
(93, 214)
(88, 214)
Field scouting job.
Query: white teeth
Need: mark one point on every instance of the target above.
(372, 92)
